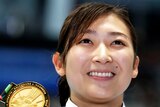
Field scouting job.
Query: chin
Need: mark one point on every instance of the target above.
(102, 96)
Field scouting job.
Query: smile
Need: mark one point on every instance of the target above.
(101, 74)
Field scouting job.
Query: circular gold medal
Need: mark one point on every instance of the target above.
(28, 94)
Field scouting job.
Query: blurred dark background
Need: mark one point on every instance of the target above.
(28, 37)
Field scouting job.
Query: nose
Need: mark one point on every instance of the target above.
(102, 54)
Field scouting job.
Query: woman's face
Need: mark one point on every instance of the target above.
(100, 65)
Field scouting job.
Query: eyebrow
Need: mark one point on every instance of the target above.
(118, 34)
(90, 31)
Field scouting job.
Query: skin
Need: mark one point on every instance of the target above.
(105, 47)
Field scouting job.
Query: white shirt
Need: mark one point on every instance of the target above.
(71, 104)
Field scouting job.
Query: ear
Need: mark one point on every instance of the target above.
(135, 67)
(58, 64)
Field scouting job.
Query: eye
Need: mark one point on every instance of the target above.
(118, 42)
(85, 41)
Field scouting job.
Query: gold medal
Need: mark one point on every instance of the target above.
(27, 94)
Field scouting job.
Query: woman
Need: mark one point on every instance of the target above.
(96, 56)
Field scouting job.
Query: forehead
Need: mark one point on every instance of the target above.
(110, 23)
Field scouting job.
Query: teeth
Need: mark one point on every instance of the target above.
(101, 74)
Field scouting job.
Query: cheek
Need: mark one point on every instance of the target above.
(125, 68)
(76, 56)
(75, 60)
(125, 61)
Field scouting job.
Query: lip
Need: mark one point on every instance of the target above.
(101, 74)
